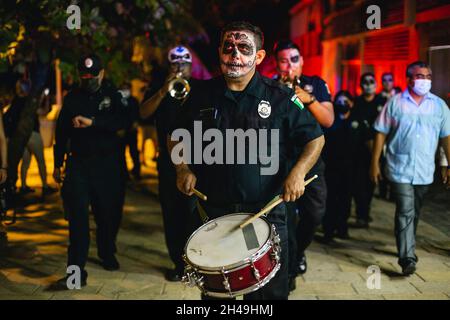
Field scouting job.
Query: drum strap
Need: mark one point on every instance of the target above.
(202, 213)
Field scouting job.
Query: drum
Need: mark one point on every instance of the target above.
(225, 261)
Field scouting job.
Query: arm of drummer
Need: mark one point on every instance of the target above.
(186, 179)
(307, 141)
(294, 185)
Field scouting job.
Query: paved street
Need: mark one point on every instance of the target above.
(34, 256)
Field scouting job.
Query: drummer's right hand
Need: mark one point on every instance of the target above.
(186, 180)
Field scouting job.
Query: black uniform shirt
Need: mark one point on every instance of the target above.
(264, 104)
(105, 107)
(164, 115)
(319, 89)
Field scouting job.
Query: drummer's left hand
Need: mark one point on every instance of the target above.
(294, 186)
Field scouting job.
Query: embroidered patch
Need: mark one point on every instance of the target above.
(88, 62)
(308, 88)
(297, 101)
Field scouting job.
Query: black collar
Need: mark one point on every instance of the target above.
(254, 88)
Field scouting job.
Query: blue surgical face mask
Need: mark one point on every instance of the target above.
(422, 86)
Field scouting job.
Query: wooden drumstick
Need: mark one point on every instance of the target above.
(271, 206)
(200, 195)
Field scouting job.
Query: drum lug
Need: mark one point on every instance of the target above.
(191, 278)
(226, 283)
(255, 272)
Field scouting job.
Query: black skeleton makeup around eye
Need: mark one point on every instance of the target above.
(295, 59)
(228, 47)
(246, 49)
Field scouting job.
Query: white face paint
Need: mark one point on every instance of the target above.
(237, 54)
(289, 63)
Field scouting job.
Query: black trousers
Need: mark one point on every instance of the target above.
(176, 209)
(277, 288)
(310, 208)
(363, 188)
(339, 200)
(95, 182)
(130, 140)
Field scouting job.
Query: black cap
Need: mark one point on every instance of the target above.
(89, 66)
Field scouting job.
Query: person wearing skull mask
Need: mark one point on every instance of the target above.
(91, 174)
(366, 108)
(176, 207)
(412, 124)
(243, 99)
(310, 208)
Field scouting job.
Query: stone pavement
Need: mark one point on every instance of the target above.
(34, 256)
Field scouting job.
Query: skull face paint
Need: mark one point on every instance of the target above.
(368, 85)
(289, 63)
(237, 54)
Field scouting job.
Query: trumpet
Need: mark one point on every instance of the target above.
(179, 87)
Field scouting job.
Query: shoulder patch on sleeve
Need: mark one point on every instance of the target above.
(297, 102)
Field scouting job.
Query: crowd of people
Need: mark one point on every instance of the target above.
(385, 138)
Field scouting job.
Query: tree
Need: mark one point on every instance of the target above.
(36, 31)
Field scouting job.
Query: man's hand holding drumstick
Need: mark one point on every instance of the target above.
(186, 179)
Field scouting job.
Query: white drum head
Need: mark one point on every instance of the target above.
(221, 242)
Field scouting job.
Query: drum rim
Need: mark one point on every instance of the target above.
(237, 265)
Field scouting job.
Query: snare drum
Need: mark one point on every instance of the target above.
(225, 261)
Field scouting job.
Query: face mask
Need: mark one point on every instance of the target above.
(422, 86)
(125, 93)
(342, 108)
(341, 104)
(91, 85)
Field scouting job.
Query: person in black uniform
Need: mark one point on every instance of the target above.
(365, 111)
(86, 131)
(338, 155)
(241, 99)
(314, 93)
(176, 207)
(130, 135)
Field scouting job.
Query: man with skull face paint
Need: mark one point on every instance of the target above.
(367, 107)
(313, 92)
(86, 132)
(234, 101)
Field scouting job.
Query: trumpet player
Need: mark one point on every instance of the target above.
(162, 100)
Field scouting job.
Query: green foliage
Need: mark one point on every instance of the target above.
(106, 26)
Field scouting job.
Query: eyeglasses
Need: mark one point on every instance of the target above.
(175, 57)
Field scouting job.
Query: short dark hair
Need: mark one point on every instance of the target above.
(386, 74)
(283, 45)
(244, 26)
(411, 66)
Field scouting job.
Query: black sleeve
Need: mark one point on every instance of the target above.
(116, 119)
(63, 125)
(321, 91)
